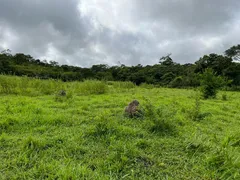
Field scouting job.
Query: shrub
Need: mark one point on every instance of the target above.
(224, 97)
(195, 113)
(160, 118)
(211, 83)
(176, 82)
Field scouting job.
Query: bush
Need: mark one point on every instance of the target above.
(224, 97)
(211, 83)
(161, 118)
(195, 112)
(176, 82)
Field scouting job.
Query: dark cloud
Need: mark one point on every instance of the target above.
(86, 32)
(63, 15)
(191, 16)
(41, 24)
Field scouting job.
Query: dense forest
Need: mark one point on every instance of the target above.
(166, 73)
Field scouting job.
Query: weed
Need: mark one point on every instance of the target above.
(160, 118)
(195, 113)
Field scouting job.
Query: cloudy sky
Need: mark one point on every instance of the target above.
(87, 32)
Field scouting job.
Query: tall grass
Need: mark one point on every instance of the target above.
(33, 87)
(89, 87)
(123, 85)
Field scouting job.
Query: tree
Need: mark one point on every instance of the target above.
(7, 52)
(53, 63)
(167, 78)
(137, 77)
(21, 58)
(167, 73)
(4, 64)
(233, 52)
(99, 68)
(214, 61)
(233, 73)
(177, 82)
(211, 83)
(166, 60)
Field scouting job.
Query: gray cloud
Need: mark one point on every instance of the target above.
(87, 32)
(191, 16)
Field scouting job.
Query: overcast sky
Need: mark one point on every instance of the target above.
(87, 32)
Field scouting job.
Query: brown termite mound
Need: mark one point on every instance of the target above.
(132, 109)
(62, 93)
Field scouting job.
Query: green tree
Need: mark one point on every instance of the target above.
(167, 78)
(5, 62)
(234, 52)
(214, 61)
(177, 82)
(166, 60)
(211, 83)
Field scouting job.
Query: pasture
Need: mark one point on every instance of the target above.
(85, 135)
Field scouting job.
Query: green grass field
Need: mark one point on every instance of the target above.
(85, 134)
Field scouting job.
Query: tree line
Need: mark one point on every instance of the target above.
(165, 73)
